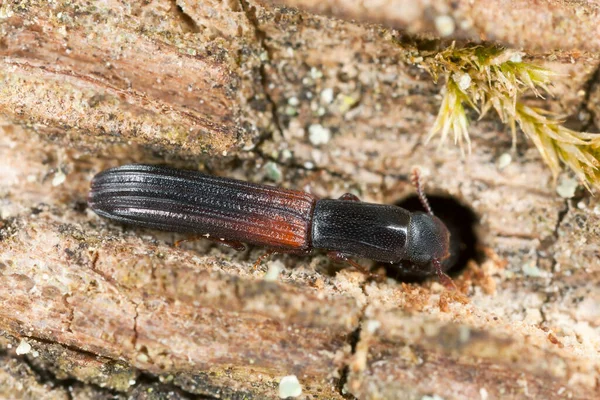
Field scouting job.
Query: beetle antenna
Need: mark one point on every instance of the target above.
(416, 181)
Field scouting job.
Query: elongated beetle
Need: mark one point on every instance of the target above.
(232, 212)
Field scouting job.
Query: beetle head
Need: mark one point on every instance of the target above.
(428, 239)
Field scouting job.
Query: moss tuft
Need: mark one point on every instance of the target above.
(494, 78)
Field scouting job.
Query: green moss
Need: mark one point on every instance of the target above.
(494, 78)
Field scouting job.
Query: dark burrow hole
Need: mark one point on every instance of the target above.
(461, 222)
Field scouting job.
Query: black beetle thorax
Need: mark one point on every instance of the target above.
(374, 231)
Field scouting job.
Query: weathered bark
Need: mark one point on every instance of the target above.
(541, 25)
(236, 88)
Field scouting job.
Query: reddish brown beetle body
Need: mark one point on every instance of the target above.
(280, 219)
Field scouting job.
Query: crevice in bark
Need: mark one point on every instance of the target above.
(547, 300)
(561, 216)
(41, 375)
(562, 213)
(109, 279)
(261, 37)
(145, 380)
(71, 311)
(187, 22)
(514, 235)
(547, 244)
(302, 167)
(7, 228)
(588, 88)
(353, 339)
(135, 331)
(70, 391)
(66, 346)
(45, 377)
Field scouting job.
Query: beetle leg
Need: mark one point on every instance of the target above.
(339, 257)
(349, 197)
(444, 279)
(260, 259)
(239, 246)
(179, 242)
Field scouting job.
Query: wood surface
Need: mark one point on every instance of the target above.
(269, 93)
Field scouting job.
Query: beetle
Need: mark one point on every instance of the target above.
(233, 212)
